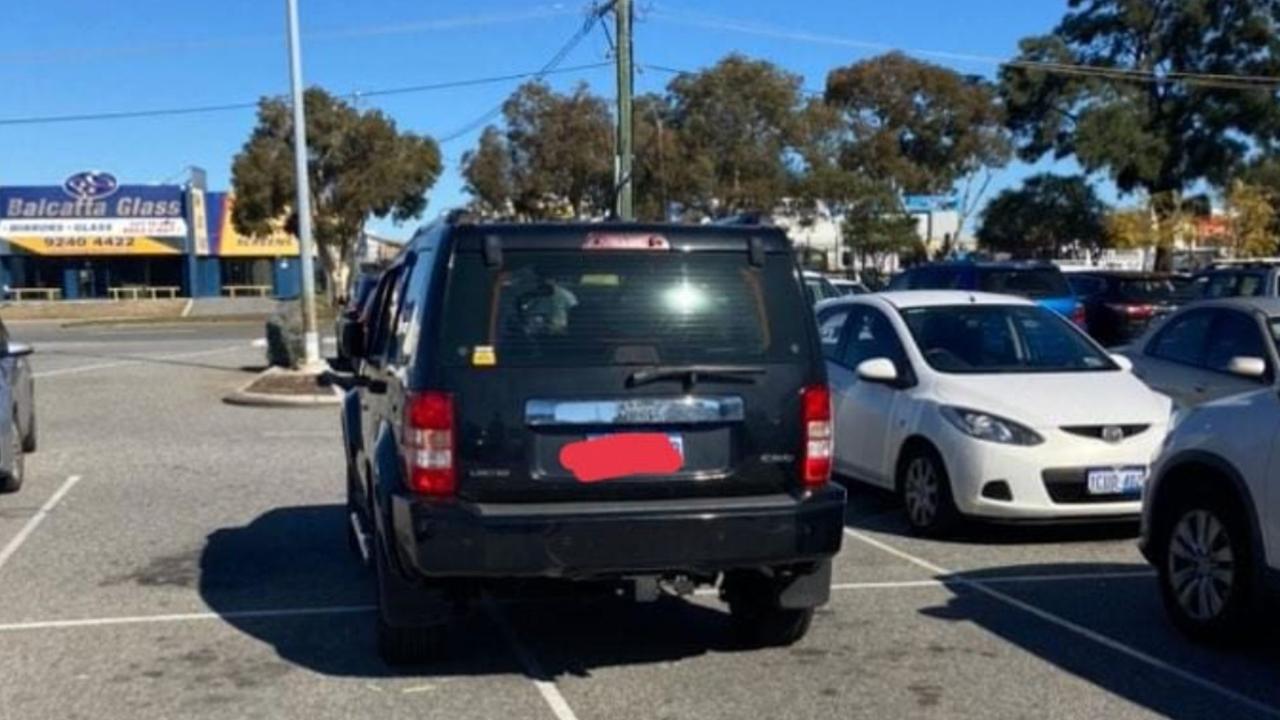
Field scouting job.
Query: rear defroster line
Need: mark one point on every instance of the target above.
(981, 586)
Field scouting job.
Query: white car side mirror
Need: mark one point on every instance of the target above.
(878, 370)
(1125, 363)
(1248, 367)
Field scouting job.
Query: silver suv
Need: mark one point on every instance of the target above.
(1211, 515)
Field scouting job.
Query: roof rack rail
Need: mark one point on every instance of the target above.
(461, 216)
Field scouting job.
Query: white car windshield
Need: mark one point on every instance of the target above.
(821, 288)
(1001, 339)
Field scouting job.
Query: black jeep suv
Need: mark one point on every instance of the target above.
(643, 405)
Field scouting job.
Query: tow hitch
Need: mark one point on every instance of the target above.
(648, 588)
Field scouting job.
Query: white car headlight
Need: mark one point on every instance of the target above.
(993, 428)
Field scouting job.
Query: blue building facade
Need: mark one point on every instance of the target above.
(93, 237)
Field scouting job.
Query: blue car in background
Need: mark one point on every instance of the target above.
(1041, 282)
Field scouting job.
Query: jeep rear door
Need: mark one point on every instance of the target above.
(625, 365)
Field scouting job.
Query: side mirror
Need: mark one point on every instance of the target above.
(17, 350)
(348, 382)
(1124, 362)
(1247, 367)
(352, 342)
(878, 370)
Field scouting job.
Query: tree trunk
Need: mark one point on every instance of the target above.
(337, 268)
(1166, 211)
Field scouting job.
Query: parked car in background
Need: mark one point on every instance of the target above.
(1118, 305)
(1210, 350)
(820, 287)
(17, 395)
(1211, 517)
(524, 409)
(849, 287)
(362, 287)
(1246, 278)
(1042, 282)
(985, 406)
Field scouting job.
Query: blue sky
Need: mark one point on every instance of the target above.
(68, 56)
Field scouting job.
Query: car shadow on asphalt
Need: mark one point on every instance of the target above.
(1082, 617)
(878, 510)
(297, 558)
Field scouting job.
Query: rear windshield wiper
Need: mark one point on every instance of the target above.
(692, 373)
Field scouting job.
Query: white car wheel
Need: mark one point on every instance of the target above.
(1201, 565)
(926, 492)
(921, 492)
(1206, 566)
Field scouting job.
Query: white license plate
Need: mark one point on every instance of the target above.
(1117, 481)
(676, 440)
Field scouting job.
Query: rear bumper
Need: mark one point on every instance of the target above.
(586, 540)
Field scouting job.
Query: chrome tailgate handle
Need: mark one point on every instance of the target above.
(682, 410)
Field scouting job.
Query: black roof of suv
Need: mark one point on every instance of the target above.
(598, 401)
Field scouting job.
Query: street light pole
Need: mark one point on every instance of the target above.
(306, 263)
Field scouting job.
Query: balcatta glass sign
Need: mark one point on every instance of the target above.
(91, 205)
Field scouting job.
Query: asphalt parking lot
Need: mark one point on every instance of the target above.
(172, 556)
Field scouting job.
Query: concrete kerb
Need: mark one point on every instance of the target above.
(245, 397)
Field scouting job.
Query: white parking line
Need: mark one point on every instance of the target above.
(350, 609)
(187, 617)
(994, 580)
(34, 522)
(953, 580)
(134, 361)
(296, 434)
(550, 693)
(981, 586)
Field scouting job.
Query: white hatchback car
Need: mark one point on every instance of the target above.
(987, 406)
(1211, 518)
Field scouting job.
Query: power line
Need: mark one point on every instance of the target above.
(549, 67)
(1214, 80)
(677, 71)
(355, 95)
(126, 114)
(478, 81)
(61, 55)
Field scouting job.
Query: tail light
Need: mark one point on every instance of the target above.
(1134, 312)
(427, 439)
(818, 436)
(1078, 316)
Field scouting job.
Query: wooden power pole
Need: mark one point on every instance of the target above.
(622, 171)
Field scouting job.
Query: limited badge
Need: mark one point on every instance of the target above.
(484, 356)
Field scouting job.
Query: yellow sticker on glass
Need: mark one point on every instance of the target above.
(484, 356)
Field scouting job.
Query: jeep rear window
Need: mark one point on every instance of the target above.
(566, 308)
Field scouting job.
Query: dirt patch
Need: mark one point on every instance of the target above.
(287, 383)
(180, 570)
